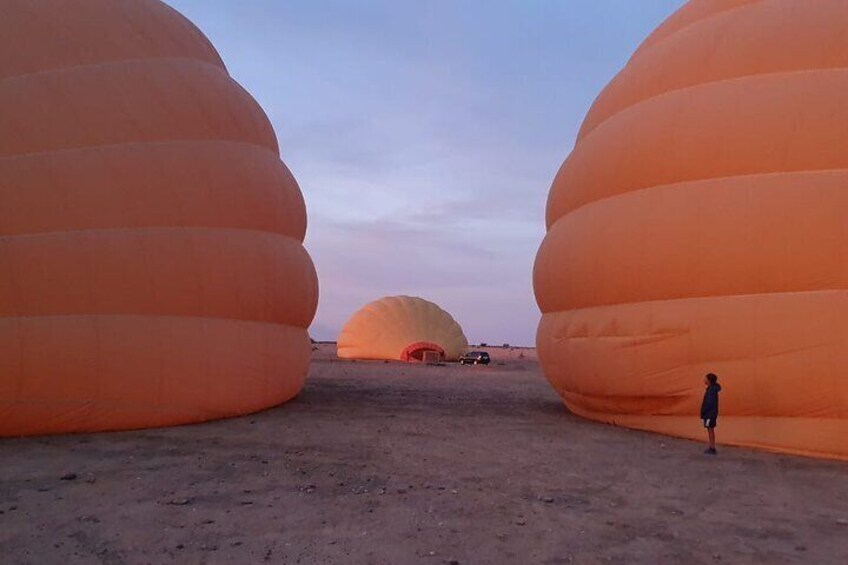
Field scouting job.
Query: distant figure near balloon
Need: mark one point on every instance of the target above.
(151, 262)
(699, 225)
(709, 410)
(402, 328)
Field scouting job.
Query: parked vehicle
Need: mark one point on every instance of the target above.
(475, 358)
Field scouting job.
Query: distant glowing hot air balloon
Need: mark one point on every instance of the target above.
(701, 225)
(404, 328)
(151, 265)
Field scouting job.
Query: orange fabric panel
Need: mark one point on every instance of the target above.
(764, 37)
(151, 262)
(93, 373)
(133, 185)
(230, 274)
(128, 102)
(810, 437)
(780, 122)
(699, 225)
(694, 12)
(58, 34)
(781, 359)
(742, 235)
(779, 354)
(389, 328)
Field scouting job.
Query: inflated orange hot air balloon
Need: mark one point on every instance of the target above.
(404, 328)
(151, 262)
(701, 225)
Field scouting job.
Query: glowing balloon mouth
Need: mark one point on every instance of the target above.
(417, 351)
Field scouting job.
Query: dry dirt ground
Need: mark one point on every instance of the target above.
(395, 464)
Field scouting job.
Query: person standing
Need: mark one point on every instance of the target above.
(709, 410)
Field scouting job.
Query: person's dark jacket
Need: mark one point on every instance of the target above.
(709, 406)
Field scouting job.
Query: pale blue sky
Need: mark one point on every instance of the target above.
(425, 135)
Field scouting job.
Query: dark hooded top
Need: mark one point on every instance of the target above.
(709, 406)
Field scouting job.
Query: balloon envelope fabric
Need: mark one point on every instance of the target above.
(151, 262)
(701, 225)
(401, 328)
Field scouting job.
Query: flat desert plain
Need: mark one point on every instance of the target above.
(389, 463)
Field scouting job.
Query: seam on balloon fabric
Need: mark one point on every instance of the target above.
(694, 181)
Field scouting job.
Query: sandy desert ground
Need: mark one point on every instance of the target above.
(390, 463)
